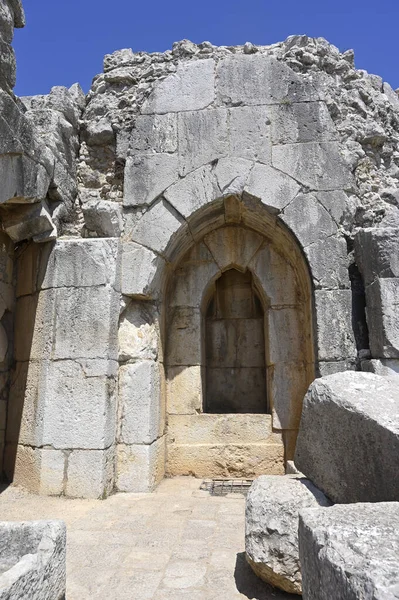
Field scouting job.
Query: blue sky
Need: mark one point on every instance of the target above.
(65, 40)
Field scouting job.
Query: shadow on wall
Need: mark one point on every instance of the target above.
(250, 586)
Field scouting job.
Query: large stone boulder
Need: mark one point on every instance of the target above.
(271, 527)
(349, 552)
(32, 560)
(348, 443)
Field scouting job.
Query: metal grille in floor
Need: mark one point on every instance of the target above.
(223, 487)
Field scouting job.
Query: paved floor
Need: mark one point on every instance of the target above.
(178, 542)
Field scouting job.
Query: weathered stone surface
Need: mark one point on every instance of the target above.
(249, 129)
(328, 261)
(33, 560)
(24, 179)
(384, 368)
(233, 246)
(319, 166)
(147, 176)
(138, 332)
(184, 390)
(103, 218)
(194, 191)
(30, 222)
(301, 122)
(190, 88)
(275, 189)
(141, 271)
(382, 298)
(335, 340)
(349, 437)
(139, 468)
(231, 175)
(350, 549)
(90, 473)
(377, 253)
(271, 527)
(308, 219)
(257, 79)
(184, 343)
(140, 403)
(155, 133)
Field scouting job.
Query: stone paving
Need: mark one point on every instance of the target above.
(178, 542)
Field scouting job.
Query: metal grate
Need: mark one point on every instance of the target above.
(223, 487)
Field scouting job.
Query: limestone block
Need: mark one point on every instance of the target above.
(350, 549)
(103, 218)
(191, 87)
(184, 340)
(382, 298)
(202, 138)
(275, 189)
(319, 166)
(231, 175)
(335, 339)
(233, 246)
(211, 429)
(138, 332)
(336, 203)
(287, 383)
(225, 460)
(194, 191)
(99, 132)
(29, 222)
(271, 527)
(330, 367)
(349, 437)
(155, 133)
(81, 263)
(38, 470)
(377, 253)
(33, 560)
(257, 79)
(90, 473)
(141, 271)
(139, 468)
(308, 219)
(249, 129)
(184, 390)
(301, 122)
(23, 179)
(34, 318)
(139, 403)
(328, 261)
(157, 227)
(192, 277)
(276, 275)
(79, 405)
(287, 336)
(148, 176)
(384, 367)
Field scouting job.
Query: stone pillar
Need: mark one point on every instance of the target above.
(62, 407)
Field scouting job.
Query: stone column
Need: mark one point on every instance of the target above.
(62, 407)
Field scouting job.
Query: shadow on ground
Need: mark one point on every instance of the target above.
(252, 587)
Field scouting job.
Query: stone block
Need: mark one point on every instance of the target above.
(308, 219)
(34, 319)
(184, 390)
(349, 437)
(233, 247)
(148, 176)
(336, 202)
(157, 227)
(142, 271)
(191, 87)
(235, 343)
(103, 218)
(350, 549)
(236, 389)
(287, 385)
(319, 166)
(79, 405)
(139, 468)
(338, 366)
(301, 122)
(194, 191)
(33, 557)
(184, 341)
(273, 188)
(138, 332)
(38, 470)
(90, 473)
(286, 335)
(232, 175)
(328, 261)
(271, 527)
(249, 133)
(384, 368)
(80, 263)
(335, 340)
(140, 403)
(24, 180)
(382, 300)
(202, 138)
(276, 275)
(377, 253)
(154, 133)
(257, 79)
(29, 222)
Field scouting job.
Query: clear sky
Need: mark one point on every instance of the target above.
(64, 41)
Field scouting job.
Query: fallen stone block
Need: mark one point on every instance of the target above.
(32, 560)
(348, 442)
(271, 527)
(350, 552)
